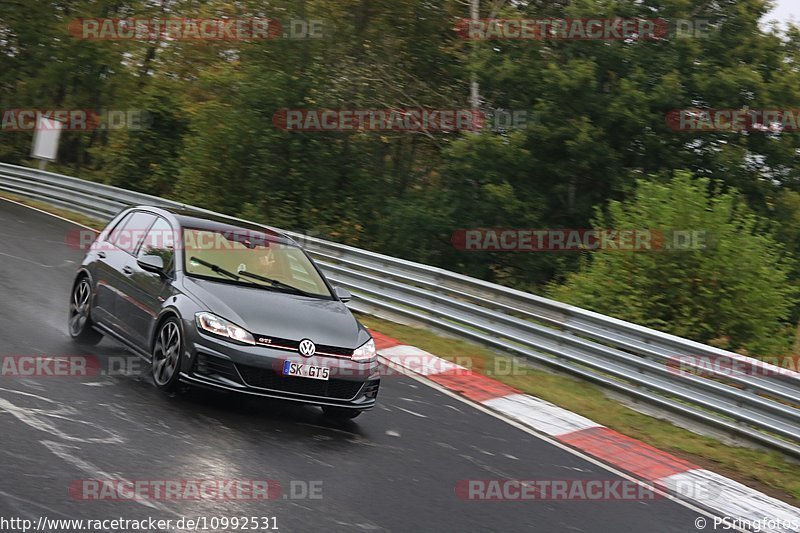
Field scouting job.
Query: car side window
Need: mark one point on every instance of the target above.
(160, 241)
(112, 233)
(129, 234)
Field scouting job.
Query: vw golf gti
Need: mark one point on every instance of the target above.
(220, 303)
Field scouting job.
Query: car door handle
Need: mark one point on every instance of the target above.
(101, 255)
(127, 270)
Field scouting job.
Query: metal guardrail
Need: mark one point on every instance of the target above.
(748, 398)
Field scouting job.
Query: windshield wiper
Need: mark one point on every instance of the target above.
(276, 283)
(242, 274)
(216, 268)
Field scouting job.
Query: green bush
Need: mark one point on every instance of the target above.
(733, 292)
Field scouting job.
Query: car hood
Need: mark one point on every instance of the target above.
(280, 314)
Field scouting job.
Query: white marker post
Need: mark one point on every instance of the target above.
(45, 140)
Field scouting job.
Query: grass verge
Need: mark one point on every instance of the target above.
(70, 215)
(767, 471)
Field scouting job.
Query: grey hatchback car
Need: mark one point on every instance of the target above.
(216, 302)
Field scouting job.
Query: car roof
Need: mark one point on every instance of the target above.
(191, 218)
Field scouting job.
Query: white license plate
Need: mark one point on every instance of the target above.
(291, 368)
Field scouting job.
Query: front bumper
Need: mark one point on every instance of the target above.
(257, 371)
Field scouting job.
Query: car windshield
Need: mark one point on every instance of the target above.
(254, 258)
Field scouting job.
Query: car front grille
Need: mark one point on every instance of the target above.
(264, 378)
(288, 344)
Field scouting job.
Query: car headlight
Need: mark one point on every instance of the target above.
(222, 328)
(365, 353)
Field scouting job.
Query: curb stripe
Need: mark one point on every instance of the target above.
(476, 387)
(419, 361)
(625, 452)
(383, 341)
(540, 414)
(732, 499)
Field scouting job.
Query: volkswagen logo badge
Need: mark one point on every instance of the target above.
(307, 348)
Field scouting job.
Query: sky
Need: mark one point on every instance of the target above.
(785, 10)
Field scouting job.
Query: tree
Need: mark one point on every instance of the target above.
(734, 292)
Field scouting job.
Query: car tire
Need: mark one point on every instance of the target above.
(80, 322)
(167, 355)
(340, 413)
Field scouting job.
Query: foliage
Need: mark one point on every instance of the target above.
(729, 287)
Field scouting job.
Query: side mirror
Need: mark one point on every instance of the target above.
(151, 263)
(343, 294)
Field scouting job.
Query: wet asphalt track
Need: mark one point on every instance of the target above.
(393, 469)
